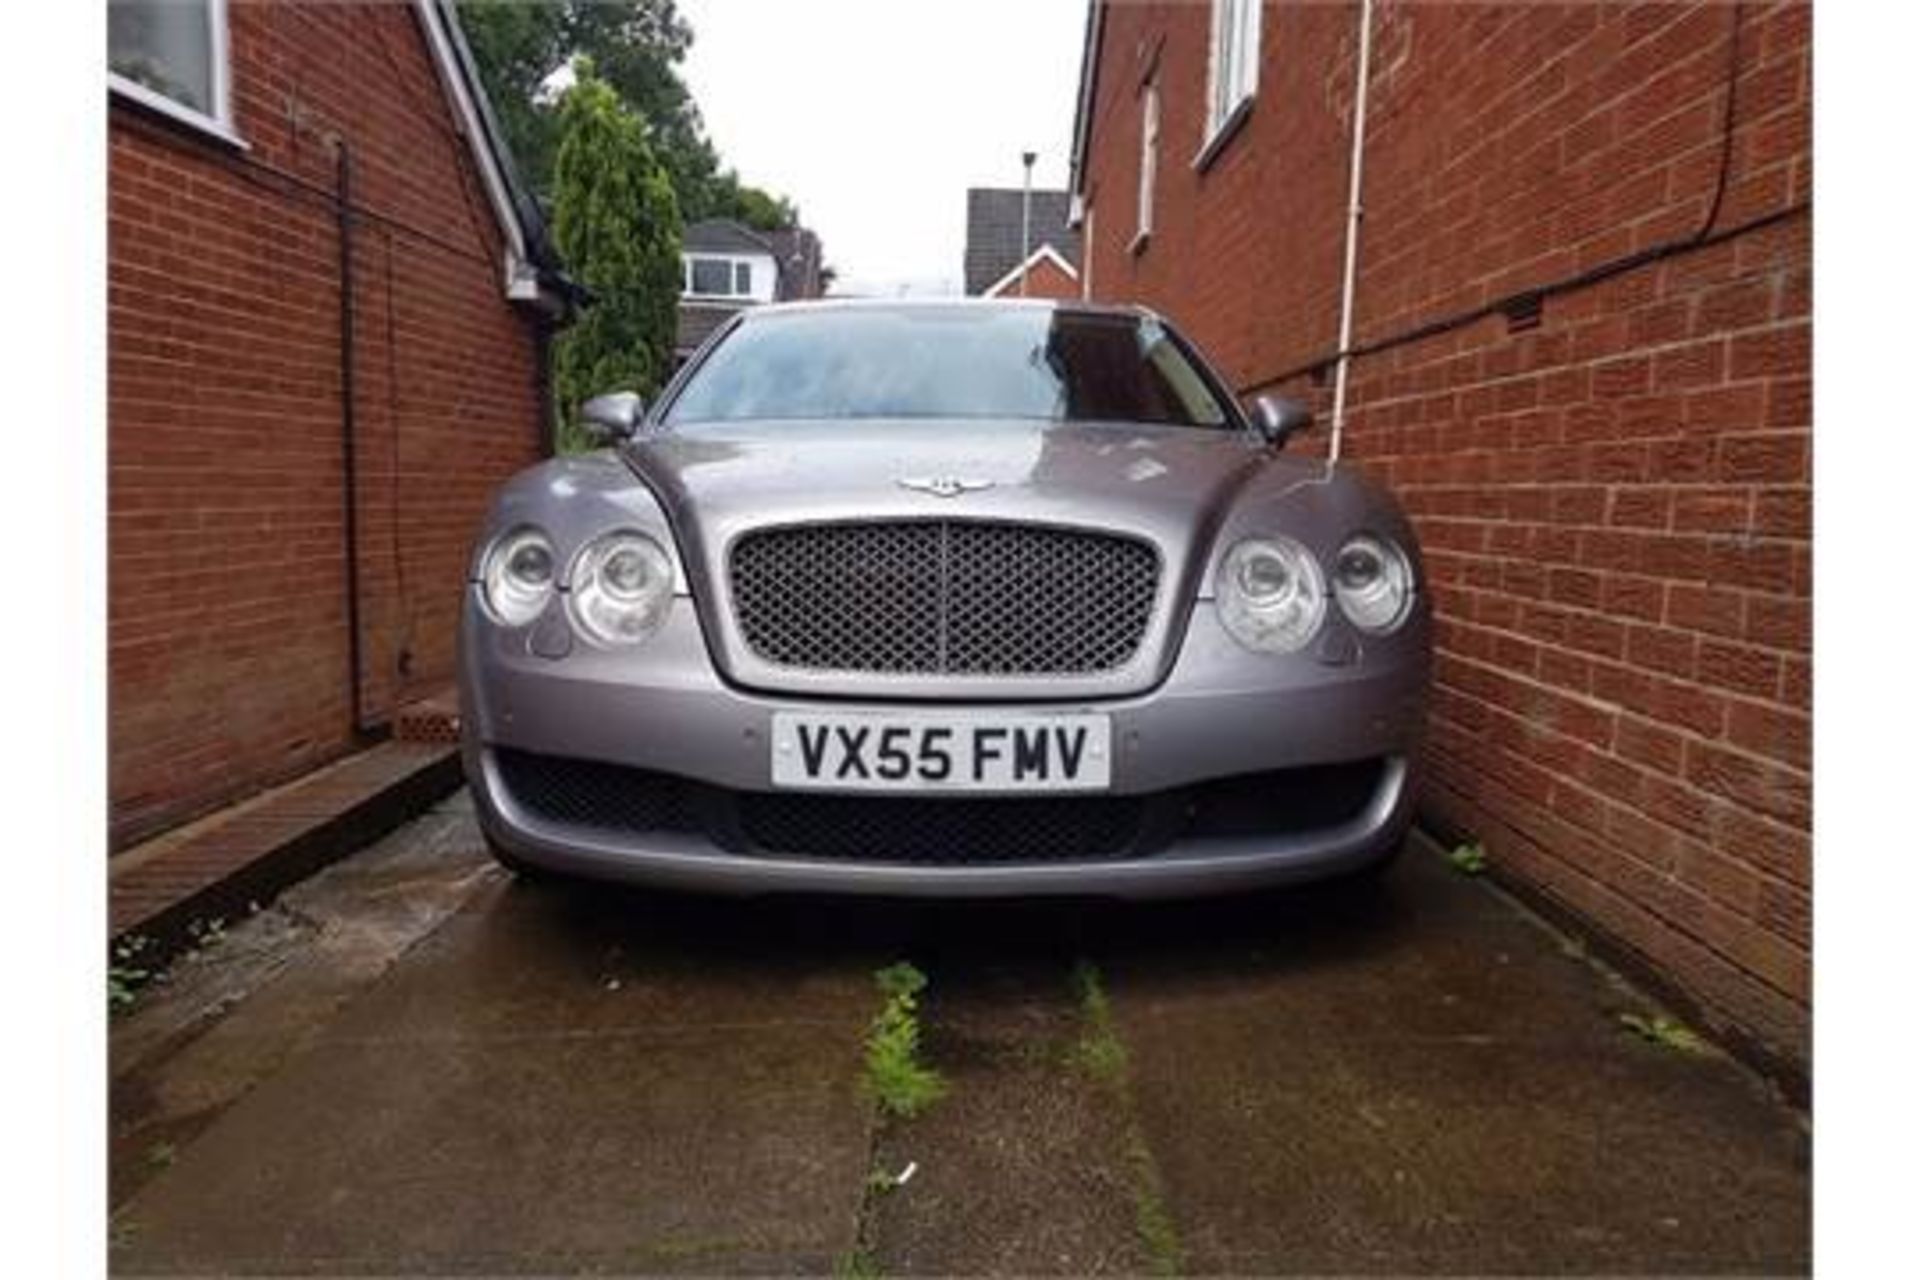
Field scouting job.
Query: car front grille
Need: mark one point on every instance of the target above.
(615, 800)
(943, 597)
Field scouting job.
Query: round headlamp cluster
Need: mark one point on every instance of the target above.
(1272, 593)
(517, 576)
(620, 585)
(1373, 582)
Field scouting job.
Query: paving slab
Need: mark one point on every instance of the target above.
(1023, 1168)
(1427, 1080)
(552, 1080)
(414, 1064)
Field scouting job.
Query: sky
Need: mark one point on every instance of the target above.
(875, 116)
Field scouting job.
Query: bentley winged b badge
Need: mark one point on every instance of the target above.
(943, 486)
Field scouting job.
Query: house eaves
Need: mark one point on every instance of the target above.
(1083, 112)
(532, 272)
(1045, 253)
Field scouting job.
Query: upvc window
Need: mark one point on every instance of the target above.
(172, 55)
(1233, 69)
(1149, 157)
(719, 278)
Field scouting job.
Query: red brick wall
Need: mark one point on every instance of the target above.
(1045, 279)
(1615, 505)
(227, 625)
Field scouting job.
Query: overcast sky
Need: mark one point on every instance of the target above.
(875, 116)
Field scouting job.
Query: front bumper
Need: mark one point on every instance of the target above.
(1220, 714)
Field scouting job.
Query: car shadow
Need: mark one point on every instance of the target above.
(1298, 928)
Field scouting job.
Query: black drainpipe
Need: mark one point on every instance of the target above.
(343, 208)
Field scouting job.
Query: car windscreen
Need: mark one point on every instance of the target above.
(949, 362)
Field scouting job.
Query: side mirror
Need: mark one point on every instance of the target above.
(1278, 417)
(613, 416)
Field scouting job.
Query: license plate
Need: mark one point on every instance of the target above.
(975, 751)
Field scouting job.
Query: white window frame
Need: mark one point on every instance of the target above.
(734, 263)
(1233, 70)
(220, 122)
(1149, 161)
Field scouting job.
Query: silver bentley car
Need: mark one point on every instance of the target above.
(944, 597)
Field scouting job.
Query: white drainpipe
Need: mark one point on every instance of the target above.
(1350, 272)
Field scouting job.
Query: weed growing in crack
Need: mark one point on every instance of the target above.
(1664, 1031)
(900, 1083)
(1098, 1051)
(206, 933)
(1468, 859)
(1152, 1220)
(856, 1264)
(126, 975)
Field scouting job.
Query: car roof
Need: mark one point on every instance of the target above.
(775, 309)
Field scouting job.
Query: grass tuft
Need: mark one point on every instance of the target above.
(856, 1264)
(1665, 1032)
(127, 975)
(1468, 859)
(1100, 1053)
(900, 1083)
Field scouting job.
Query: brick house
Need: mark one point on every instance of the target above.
(328, 305)
(728, 265)
(1580, 352)
(1000, 263)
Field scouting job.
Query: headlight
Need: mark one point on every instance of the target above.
(622, 587)
(1373, 582)
(1271, 594)
(517, 575)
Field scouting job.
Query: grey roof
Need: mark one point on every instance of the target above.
(723, 235)
(993, 232)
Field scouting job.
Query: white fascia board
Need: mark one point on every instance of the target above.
(1045, 253)
(516, 270)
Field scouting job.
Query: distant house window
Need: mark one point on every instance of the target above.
(1149, 156)
(719, 278)
(1233, 69)
(171, 55)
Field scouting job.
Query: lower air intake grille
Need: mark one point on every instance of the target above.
(898, 829)
(605, 797)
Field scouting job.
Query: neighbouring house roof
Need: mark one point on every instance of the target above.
(1045, 253)
(723, 235)
(994, 248)
(534, 272)
(797, 265)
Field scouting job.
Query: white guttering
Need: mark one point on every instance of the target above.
(1083, 114)
(1351, 270)
(521, 280)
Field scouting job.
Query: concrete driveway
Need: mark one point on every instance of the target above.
(413, 1064)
